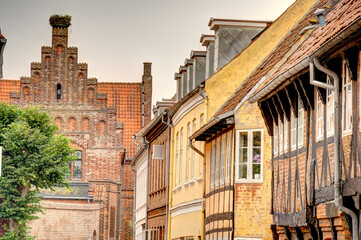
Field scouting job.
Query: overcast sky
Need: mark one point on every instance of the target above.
(115, 37)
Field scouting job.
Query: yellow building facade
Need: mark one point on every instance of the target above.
(185, 216)
(221, 85)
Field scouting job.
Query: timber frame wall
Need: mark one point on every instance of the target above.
(302, 177)
(219, 196)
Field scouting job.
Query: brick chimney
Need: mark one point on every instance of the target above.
(60, 26)
(199, 66)
(208, 42)
(146, 93)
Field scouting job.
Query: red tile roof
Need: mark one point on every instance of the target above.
(6, 87)
(126, 97)
(343, 14)
(269, 62)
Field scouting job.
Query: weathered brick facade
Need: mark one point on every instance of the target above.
(100, 119)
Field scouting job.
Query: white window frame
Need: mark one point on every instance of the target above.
(293, 131)
(229, 156)
(300, 124)
(193, 152)
(346, 97)
(249, 156)
(275, 139)
(213, 160)
(218, 161)
(281, 136)
(319, 118)
(330, 110)
(222, 160)
(180, 156)
(201, 121)
(176, 161)
(285, 134)
(188, 162)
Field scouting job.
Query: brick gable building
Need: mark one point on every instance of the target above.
(100, 119)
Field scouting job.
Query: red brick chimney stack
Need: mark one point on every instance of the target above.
(146, 93)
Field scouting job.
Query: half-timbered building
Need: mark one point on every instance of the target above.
(310, 104)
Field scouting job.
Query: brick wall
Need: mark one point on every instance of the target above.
(73, 221)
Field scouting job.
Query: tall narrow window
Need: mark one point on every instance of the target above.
(293, 130)
(77, 164)
(222, 158)
(280, 135)
(58, 91)
(194, 153)
(176, 160)
(330, 109)
(218, 160)
(285, 133)
(275, 139)
(188, 153)
(346, 99)
(180, 156)
(243, 154)
(319, 117)
(229, 156)
(300, 123)
(213, 160)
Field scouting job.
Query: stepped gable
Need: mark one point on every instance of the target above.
(122, 96)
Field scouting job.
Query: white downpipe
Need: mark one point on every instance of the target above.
(336, 87)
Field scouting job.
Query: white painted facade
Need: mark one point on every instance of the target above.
(141, 166)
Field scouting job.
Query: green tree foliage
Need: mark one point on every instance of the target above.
(34, 158)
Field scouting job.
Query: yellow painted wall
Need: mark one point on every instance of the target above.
(223, 84)
(253, 200)
(189, 224)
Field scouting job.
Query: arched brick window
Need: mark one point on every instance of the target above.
(72, 124)
(26, 92)
(86, 124)
(59, 123)
(102, 128)
(75, 166)
(90, 95)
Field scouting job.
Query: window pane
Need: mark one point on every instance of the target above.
(256, 155)
(243, 139)
(77, 154)
(243, 155)
(256, 171)
(242, 171)
(77, 169)
(257, 138)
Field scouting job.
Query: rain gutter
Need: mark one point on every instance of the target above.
(301, 65)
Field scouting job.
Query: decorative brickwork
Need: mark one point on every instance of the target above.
(100, 119)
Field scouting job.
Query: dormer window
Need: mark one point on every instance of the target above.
(58, 91)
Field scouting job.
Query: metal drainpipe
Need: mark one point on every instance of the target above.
(167, 175)
(120, 194)
(315, 62)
